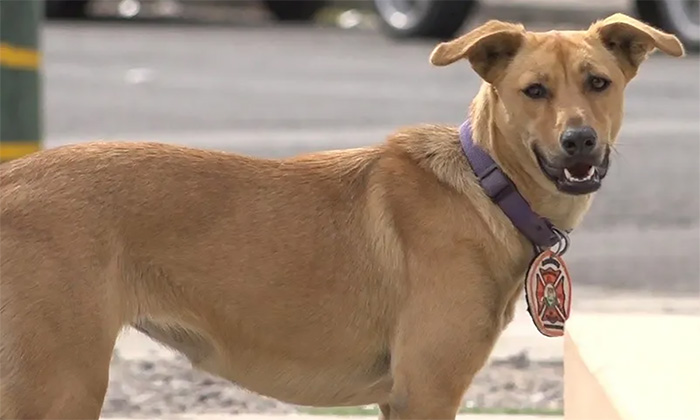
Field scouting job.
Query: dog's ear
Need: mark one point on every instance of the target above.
(488, 48)
(631, 41)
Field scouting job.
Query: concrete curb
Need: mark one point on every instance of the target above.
(602, 367)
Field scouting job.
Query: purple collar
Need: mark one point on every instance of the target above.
(503, 192)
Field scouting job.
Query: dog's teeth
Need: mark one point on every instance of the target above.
(590, 174)
(587, 177)
(569, 176)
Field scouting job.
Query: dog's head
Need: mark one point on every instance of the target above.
(559, 92)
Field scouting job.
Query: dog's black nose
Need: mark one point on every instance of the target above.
(578, 141)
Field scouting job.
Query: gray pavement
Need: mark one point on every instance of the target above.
(281, 90)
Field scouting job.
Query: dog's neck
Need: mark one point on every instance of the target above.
(516, 160)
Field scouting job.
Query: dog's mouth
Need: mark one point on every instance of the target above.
(576, 176)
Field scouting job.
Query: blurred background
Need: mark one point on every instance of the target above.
(276, 78)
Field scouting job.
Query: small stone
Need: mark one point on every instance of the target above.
(521, 360)
(537, 397)
(207, 382)
(146, 365)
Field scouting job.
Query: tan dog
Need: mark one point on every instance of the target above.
(375, 275)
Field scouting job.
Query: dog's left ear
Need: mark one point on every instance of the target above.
(631, 41)
(488, 48)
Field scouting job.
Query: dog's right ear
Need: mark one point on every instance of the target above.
(488, 48)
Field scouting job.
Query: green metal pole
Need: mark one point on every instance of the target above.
(20, 78)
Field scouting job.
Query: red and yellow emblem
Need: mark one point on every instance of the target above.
(548, 293)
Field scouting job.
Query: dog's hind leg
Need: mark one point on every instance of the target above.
(58, 332)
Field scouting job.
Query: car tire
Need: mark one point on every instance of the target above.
(65, 9)
(674, 16)
(436, 19)
(294, 10)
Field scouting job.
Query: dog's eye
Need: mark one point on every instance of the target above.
(598, 84)
(536, 91)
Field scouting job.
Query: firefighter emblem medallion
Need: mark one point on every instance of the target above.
(548, 293)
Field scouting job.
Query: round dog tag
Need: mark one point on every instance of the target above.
(548, 293)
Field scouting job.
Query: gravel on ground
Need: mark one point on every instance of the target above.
(153, 387)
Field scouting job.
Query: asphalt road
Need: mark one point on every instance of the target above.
(276, 91)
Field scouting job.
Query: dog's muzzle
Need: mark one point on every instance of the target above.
(576, 174)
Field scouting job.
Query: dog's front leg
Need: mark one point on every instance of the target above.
(439, 348)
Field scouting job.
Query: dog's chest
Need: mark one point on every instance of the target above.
(511, 281)
(516, 294)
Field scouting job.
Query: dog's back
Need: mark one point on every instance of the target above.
(99, 236)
